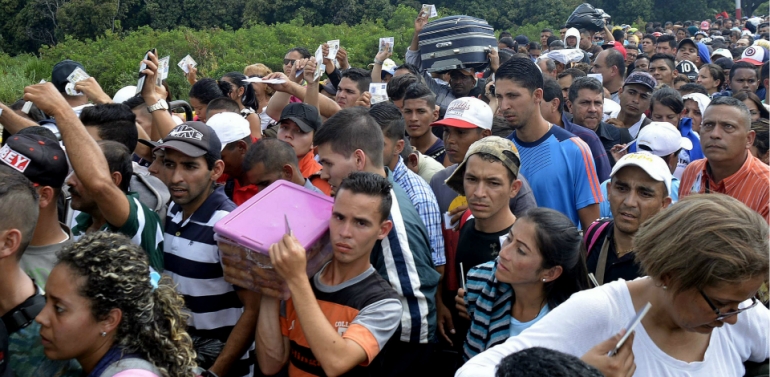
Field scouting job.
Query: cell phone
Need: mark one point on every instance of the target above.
(142, 67)
(631, 327)
(492, 89)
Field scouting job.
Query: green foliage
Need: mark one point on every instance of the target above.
(113, 59)
(532, 31)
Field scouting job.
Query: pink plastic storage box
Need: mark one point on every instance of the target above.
(245, 235)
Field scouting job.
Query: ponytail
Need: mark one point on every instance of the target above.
(206, 90)
(249, 97)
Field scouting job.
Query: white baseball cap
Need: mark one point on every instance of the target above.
(124, 94)
(662, 138)
(723, 52)
(229, 127)
(754, 54)
(467, 112)
(653, 165)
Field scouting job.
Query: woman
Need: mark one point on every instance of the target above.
(541, 263)
(761, 140)
(667, 106)
(706, 257)
(754, 104)
(262, 91)
(243, 93)
(711, 77)
(204, 91)
(104, 309)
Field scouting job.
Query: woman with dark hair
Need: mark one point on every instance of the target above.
(667, 106)
(263, 92)
(105, 309)
(761, 140)
(752, 101)
(243, 93)
(541, 264)
(712, 78)
(206, 90)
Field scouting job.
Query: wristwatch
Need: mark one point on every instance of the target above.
(378, 62)
(161, 105)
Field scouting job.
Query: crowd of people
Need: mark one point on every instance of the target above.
(505, 220)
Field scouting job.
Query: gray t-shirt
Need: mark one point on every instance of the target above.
(523, 201)
(38, 261)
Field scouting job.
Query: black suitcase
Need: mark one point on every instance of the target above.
(456, 42)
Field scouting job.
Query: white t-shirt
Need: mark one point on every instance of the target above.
(593, 316)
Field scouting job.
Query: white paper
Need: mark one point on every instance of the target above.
(430, 10)
(320, 67)
(162, 70)
(379, 92)
(70, 90)
(383, 41)
(77, 75)
(334, 47)
(260, 80)
(188, 60)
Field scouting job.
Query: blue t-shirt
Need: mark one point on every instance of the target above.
(517, 327)
(561, 172)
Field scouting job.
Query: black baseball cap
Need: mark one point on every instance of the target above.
(40, 159)
(641, 78)
(194, 139)
(61, 71)
(306, 116)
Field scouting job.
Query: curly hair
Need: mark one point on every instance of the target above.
(117, 274)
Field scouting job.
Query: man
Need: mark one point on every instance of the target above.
(22, 301)
(192, 164)
(235, 135)
(297, 126)
(635, 98)
(221, 105)
(462, 83)
(586, 103)
(398, 86)
(339, 320)
(562, 32)
(572, 38)
(269, 160)
(355, 81)
(44, 163)
(663, 140)
(389, 118)
(662, 68)
(100, 180)
(648, 44)
(352, 141)
(666, 44)
(639, 189)
(642, 63)
(552, 110)
(420, 111)
(565, 80)
(544, 34)
(729, 168)
(611, 65)
(563, 179)
(487, 177)
(77, 100)
(292, 56)
(585, 43)
(547, 66)
(632, 51)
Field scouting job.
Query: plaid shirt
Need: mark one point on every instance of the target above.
(424, 201)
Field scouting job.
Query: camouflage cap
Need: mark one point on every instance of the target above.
(502, 149)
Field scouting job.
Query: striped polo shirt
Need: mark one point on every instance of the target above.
(749, 184)
(561, 171)
(403, 259)
(192, 260)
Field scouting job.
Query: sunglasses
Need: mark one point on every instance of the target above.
(721, 316)
(288, 61)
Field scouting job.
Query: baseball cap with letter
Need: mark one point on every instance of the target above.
(194, 139)
(40, 159)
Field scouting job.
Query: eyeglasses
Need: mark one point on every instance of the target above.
(288, 61)
(721, 316)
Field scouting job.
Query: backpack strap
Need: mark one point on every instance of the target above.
(230, 188)
(23, 315)
(128, 364)
(593, 232)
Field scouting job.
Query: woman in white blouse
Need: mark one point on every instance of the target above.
(706, 258)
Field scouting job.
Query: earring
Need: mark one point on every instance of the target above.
(104, 333)
(543, 280)
(665, 287)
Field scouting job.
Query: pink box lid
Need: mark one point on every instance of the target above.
(259, 222)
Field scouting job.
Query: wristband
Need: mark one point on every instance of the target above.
(378, 62)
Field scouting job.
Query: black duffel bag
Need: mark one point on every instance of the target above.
(456, 42)
(585, 16)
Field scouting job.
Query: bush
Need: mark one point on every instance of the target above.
(114, 58)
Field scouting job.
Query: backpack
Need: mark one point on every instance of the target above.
(152, 191)
(593, 232)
